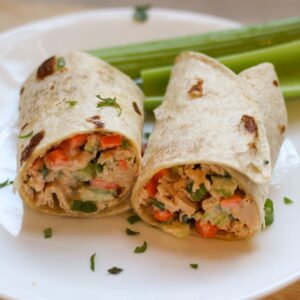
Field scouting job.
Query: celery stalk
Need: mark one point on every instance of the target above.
(132, 58)
(285, 57)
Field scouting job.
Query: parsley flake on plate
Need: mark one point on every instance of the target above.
(48, 233)
(133, 219)
(92, 262)
(115, 270)
(141, 13)
(131, 232)
(6, 183)
(141, 249)
(194, 266)
(288, 200)
(269, 212)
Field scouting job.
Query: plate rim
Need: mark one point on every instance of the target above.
(125, 12)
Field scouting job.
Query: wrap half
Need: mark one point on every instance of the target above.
(208, 163)
(79, 147)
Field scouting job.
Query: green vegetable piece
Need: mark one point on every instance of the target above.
(125, 144)
(223, 185)
(92, 262)
(269, 212)
(48, 233)
(99, 168)
(71, 103)
(5, 183)
(26, 136)
(86, 174)
(115, 270)
(194, 266)
(158, 204)
(288, 201)
(109, 102)
(141, 13)
(141, 249)
(133, 219)
(199, 195)
(61, 63)
(83, 206)
(44, 171)
(131, 232)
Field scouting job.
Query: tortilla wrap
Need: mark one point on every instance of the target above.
(79, 149)
(208, 161)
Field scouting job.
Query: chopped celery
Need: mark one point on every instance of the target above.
(85, 174)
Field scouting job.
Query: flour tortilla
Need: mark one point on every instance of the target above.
(209, 129)
(44, 110)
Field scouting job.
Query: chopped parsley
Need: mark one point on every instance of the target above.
(115, 270)
(131, 232)
(5, 183)
(71, 103)
(92, 262)
(48, 233)
(199, 195)
(125, 143)
(141, 13)
(26, 136)
(194, 266)
(269, 212)
(83, 206)
(158, 204)
(147, 135)
(141, 249)
(61, 63)
(44, 171)
(99, 168)
(109, 102)
(288, 200)
(133, 219)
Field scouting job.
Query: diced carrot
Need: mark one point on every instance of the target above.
(110, 141)
(231, 202)
(151, 188)
(163, 215)
(56, 159)
(160, 174)
(37, 164)
(72, 145)
(206, 230)
(123, 164)
(102, 184)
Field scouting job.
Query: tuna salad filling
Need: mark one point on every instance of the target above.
(203, 197)
(86, 173)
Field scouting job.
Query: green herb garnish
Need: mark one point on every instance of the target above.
(133, 219)
(141, 13)
(158, 204)
(147, 135)
(26, 136)
(194, 266)
(200, 194)
(92, 262)
(48, 233)
(141, 249)
(269, 212)
(109, 102)
(5, 183)
(288, 200)
(99, 168)
(83, 206)
(115, 270)
(71, 103)
(131, 232)
(61, 63)
(125, 143)
(224, 192)
(44, 171)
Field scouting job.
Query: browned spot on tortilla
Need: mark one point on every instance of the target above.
(196, 90)
(22, 90)
(275, 83)
(34, 141)
(24, 126)
(52, 87)
(252, 145)
(249, 124)
(46, 68)
(136, 108)
(281, 129)
(96, 121)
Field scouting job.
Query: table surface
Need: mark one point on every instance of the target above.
(17, 12)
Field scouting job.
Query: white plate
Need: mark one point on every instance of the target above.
(58, 268)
